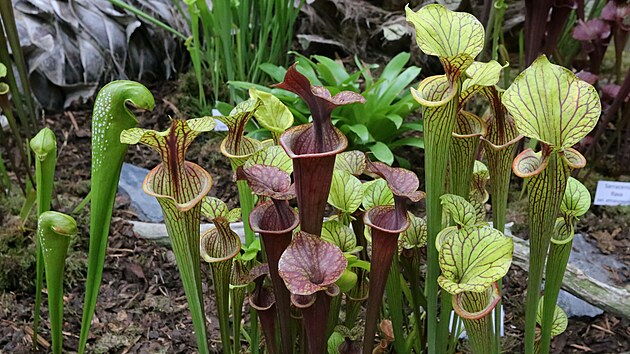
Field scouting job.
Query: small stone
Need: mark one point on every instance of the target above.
(146, 207)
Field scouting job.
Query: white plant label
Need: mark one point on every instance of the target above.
(612, 193)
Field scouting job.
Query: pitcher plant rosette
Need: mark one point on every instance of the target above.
(180, 186)
(313, 146)
(549, 104)
(310, 267)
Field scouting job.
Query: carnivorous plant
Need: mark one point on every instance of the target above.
(54, 232)
(549, 104)
(111, 115)
(180, 186)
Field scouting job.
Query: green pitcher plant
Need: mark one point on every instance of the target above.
(549, 104)
(575, 203)
(44, 145)
(180, 186)
(218, 246)
(473, 256)
(111, 115)
(456, 38)
(54, 232)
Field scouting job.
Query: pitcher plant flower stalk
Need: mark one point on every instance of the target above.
(386, 223)
(219, 245)
(473, 257)
(180, 186)
(313, 146)
(238, 148)
(575, 203)
(456, 38)
(54, 232)
(111, 115)
(44, 145)
(310, 267)
(549, 104)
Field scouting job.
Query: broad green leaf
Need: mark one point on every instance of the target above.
(376, 193)
(550, 104)
(271, 156)
(352, 162)
(416, 235)
(272, 114)
(346, 192)
(361, 131)
(341, 236)
(462, 212)
(474, 259)
(331, 71)
(560, 320)
(446, 34)
(274, 71)
(382, 152)
(577, 199)
(396, 119)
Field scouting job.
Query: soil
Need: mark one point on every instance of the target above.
(142, 307)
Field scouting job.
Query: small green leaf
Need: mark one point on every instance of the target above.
(416, 235)
(577, 199)
(560, 320)
(474, 259)
(272, 114)
(376, 193)
(346, 192)
(340, 235)
(382, 152)
(271, 156)
(462, 212)
(550, 104)
(352, 162)
(480, 75)
(396, 119)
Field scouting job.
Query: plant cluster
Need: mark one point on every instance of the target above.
(306, 277)
(379, 126)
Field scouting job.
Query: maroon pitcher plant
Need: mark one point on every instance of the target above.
(264, 301)
(386, 223)
(310, 267)
(313, 146)
(275, 221)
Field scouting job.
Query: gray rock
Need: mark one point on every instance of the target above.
(593, 263)
(146, 207)
(157, 232)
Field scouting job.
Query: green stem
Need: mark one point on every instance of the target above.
(545, 192)
(333, 316)
(183, 230)
(439, 123)
(148, 18)
(395, 303)
(559, 251)
(246, 199)
(253, 331)
(45, 147)
(54, 232)
(479, 331)
(220, 278)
